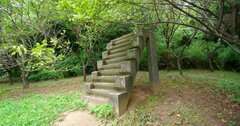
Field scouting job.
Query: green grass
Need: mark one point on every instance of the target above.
(7, 89)
(37, 110)
(104, 110)
(221, 80)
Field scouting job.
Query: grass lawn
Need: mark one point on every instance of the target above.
(197, 98)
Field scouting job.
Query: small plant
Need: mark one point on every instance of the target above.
(104, 110)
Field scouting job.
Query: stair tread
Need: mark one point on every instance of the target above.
(94, 100)
(123, 37)
(121, 49)
(117, 69)
(123, 44)
(107, 91)
(114, 55)
(121, 58)
(99, 83)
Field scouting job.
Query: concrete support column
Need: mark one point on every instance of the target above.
(152, 63)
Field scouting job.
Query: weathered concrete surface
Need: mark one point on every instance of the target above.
(120, 101)
(118, 68)
(152, 63)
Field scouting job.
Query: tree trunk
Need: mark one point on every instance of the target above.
(179, 66)
(168, 65)
(210, 64)
(84, 72)
(25, 79)
(10, 80)
(209, 56)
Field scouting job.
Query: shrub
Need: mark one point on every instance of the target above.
(46, 75)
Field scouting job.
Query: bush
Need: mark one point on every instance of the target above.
(227, 58)
(45, 75)
(70, 65)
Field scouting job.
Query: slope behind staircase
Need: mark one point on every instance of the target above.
(113, 81)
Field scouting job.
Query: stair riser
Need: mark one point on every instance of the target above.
(131, 54)
(95, 100)
(116, 60)
(122, 49)
(123, 38)
(101, 66)
(121, 82)
(100, 93)
(106, 55)
(130, 43)
(110, 80)
(111, 46)
(104, 86)
(127, 68)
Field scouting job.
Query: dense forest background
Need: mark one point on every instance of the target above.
(45, 39)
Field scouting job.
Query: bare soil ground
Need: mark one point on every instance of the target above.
(180, 101)
(78, 118)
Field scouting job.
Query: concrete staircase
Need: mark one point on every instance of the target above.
(113, 81)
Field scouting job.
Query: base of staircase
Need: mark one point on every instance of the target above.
(118, 100)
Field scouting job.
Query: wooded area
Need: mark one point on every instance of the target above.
(55, 39)
(55, 44)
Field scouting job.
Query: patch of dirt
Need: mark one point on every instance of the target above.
(180, 101)
(138, 95)
(195, 105)
(78, 118)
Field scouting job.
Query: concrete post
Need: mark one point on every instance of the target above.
(152, 63)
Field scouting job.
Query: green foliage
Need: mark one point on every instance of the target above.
(46, 75)
(70, 65)
(37, 110)
(227, 58)
(104, 110)
(197, 51)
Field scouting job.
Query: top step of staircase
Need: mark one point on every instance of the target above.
(124, 38)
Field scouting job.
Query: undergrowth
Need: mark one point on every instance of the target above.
(104, 110)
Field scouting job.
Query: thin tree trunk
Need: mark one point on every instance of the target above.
(168, 60)
(10, 80)
(84, 72)
(179, 66)
(210, 64)
(209, 56)
(25, 79)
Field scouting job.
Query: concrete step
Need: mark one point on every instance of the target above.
(110, 56)
(103, 92)
(121, 49)
(117, 59)
(123, 44)
(104, 85)
(123, 38)
(112, 72)
(94, 100)
(111, 79)
(109, 66)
